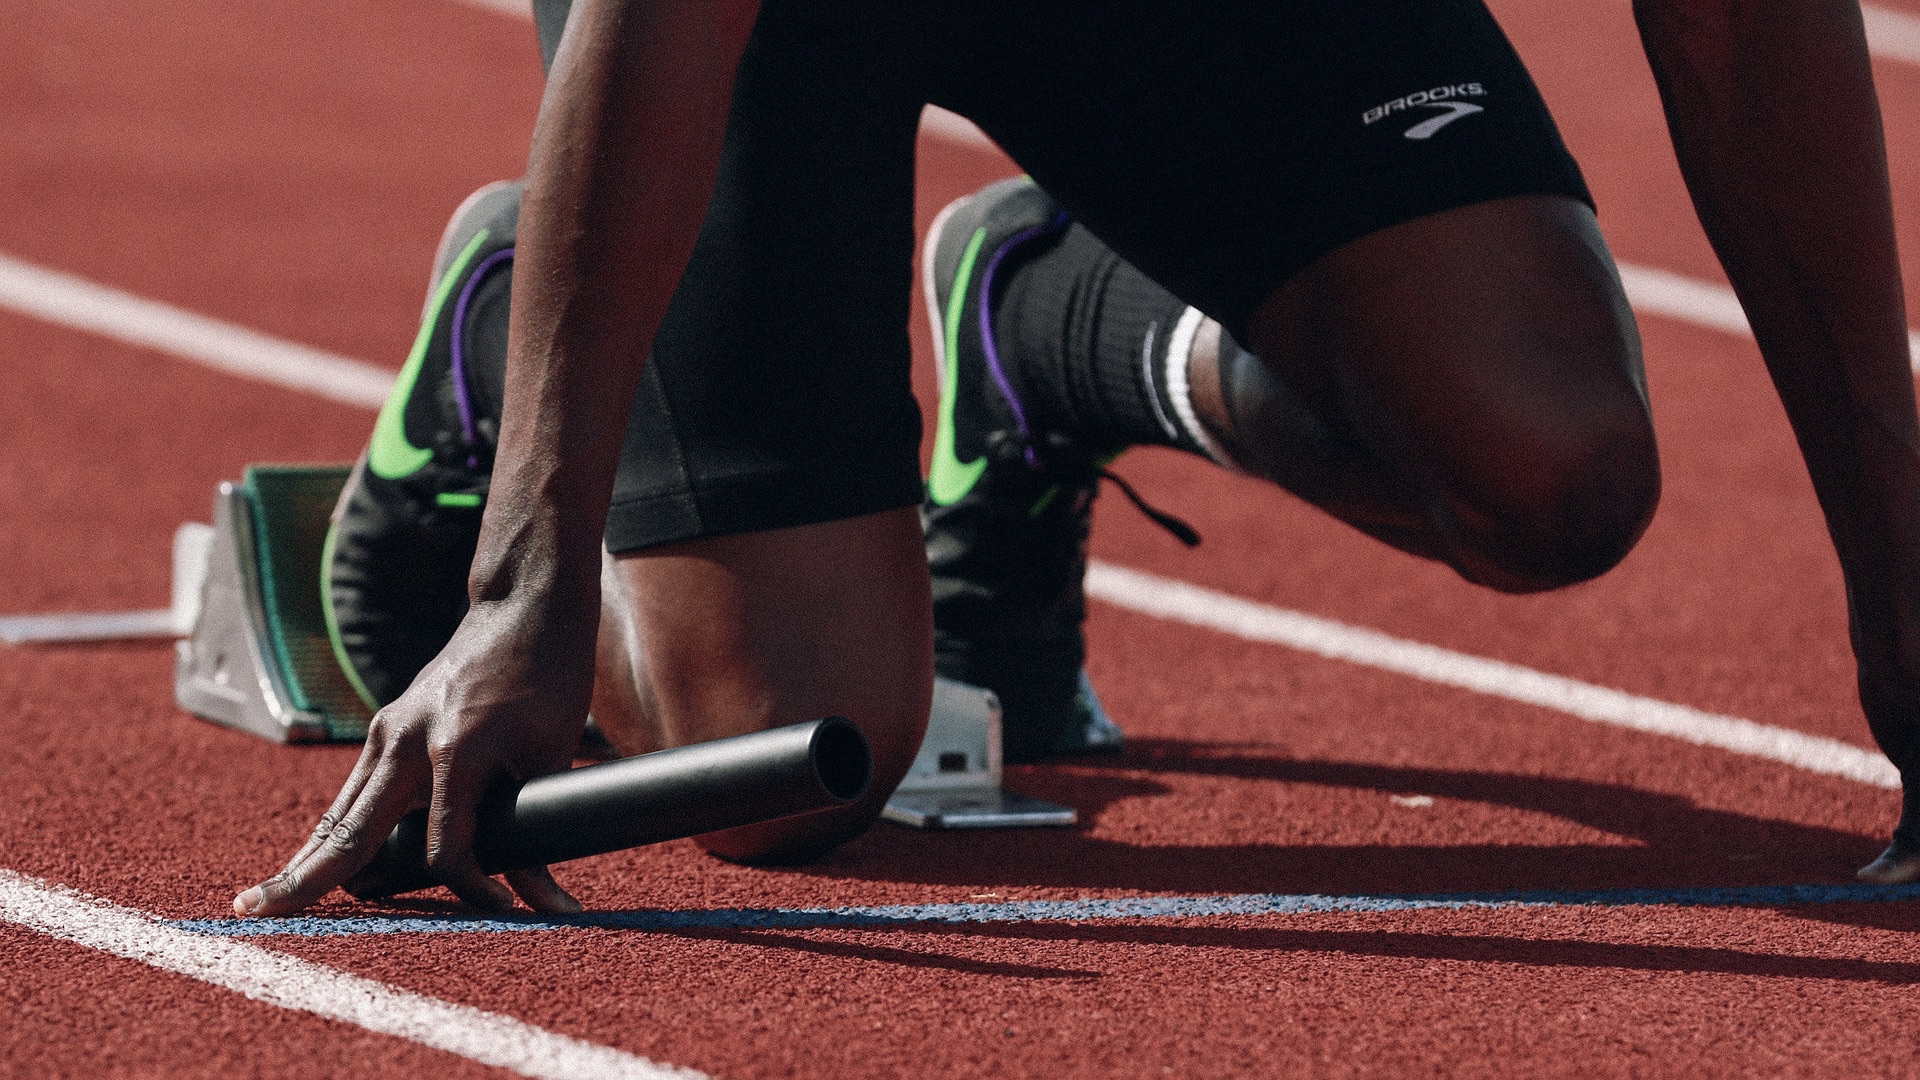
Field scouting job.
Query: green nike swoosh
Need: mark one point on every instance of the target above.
(950, 478)
(390, 455)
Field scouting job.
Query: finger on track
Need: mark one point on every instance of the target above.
(356, 781)
(459, 783)
(541, 893)
(392, 789)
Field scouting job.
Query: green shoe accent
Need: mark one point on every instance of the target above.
(1046, 500)
(465, 500)
(390, 455)
(950, 478)
(333, 622)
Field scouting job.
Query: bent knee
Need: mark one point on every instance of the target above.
(894, 738)
(1558, 513)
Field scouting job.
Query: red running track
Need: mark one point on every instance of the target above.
(288, 169)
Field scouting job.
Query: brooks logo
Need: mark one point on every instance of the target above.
(1444, 98)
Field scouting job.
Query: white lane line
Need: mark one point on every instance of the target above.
(303, 986)
(89, 626)
(1195, 606)
(85, 305)
(1893, 35)
(522, 8)
(1703, 303)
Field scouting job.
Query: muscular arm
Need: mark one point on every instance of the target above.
(623, 163)
(624, 159)
(1774, 117)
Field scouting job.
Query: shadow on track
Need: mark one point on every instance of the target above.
(1464, 948)
(1677, 843)
(856, 950)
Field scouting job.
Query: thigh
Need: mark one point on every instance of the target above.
(1487, 356)
(779, 392)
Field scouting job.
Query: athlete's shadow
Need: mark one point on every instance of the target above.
(1669, 841)
(1397, 943)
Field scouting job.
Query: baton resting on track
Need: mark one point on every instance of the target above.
(669, 794)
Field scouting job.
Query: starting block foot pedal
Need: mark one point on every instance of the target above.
(955, 780)
(259, 658)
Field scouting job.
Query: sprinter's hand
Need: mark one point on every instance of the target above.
(507, 698)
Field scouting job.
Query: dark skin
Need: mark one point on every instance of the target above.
(1503, 431)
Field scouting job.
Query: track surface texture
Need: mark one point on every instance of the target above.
(287, 168)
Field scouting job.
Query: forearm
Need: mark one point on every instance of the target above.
(623, 161)
(1777, 127)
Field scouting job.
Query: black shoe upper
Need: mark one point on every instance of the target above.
(408, 522)
(1008, 553)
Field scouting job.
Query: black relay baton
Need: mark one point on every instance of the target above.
(685, 791)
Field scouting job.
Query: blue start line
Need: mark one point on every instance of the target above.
(1141, 907)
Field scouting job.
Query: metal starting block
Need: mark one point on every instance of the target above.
(955, 781)
(257, 656)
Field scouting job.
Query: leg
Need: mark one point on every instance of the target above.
(1498, 423)
(1448, 362)
(766, 566)
(713, 637)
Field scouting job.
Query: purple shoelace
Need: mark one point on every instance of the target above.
(986, 326)
(460, 392)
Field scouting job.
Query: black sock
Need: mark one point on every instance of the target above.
(1086, 338)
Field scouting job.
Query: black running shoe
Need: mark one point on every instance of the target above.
(394, 574)
(1008, 508)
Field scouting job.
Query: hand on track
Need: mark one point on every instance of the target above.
(494, 704)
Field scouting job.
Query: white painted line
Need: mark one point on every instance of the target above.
(84, 305)
(303, 986)
(88, 626)
(81, 304)
(1195, 606)
(1891, 34)
(521, 8)
(1703, 303)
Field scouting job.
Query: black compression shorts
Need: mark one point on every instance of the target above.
(1220, 147)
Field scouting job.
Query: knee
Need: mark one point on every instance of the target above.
(894, 738)
(1564, 507)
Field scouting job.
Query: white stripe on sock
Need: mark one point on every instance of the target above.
(1146, 373)
(1179, 351)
